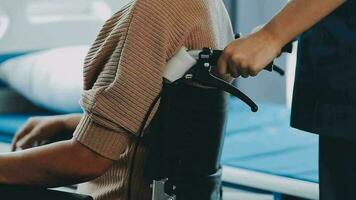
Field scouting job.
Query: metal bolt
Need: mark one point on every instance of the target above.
(189, 76)
(205, 56)
(206, 65)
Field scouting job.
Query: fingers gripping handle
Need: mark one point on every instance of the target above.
(272, 67)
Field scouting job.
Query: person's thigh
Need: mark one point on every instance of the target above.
(337, 168)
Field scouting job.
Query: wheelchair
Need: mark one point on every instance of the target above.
(184, 139)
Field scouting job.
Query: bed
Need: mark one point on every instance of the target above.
(28, 26)
(262, 151)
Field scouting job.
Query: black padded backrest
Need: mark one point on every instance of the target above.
(186, 138)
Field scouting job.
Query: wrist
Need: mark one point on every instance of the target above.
(71, 121)
(275, 41)
(3, 179)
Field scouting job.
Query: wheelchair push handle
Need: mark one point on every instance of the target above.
(207, 60)
(199, 65)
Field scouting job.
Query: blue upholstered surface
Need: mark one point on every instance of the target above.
(265, 142)
(260, 141)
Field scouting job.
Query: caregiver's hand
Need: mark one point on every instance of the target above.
(249, 55)
(38, 130)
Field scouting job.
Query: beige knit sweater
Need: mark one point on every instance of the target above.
(123, 76)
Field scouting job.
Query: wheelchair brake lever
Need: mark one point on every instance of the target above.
(202, 73)
(211, 80)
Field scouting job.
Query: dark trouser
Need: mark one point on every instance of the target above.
(337, 168)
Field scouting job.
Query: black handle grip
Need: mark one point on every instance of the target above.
(288, 48)
(274, 68)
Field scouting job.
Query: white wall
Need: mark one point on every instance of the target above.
(251, 13)
(19, 32)
(39, 24)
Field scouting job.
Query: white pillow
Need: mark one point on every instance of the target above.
(51, 79)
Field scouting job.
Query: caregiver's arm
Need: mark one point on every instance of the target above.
(248, 56)
(57, 164)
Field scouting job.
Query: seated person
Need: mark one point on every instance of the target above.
(122, 77)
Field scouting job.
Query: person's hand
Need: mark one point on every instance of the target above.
(39, 130)
(249, 55)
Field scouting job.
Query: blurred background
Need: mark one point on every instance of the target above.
(245, 16)
(42, 47)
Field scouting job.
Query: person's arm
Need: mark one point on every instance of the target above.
(249, 55)
(57, 164)
(46, 129)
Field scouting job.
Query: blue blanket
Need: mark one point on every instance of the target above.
(265, 142)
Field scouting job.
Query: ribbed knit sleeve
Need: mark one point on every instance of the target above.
(123, 69)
